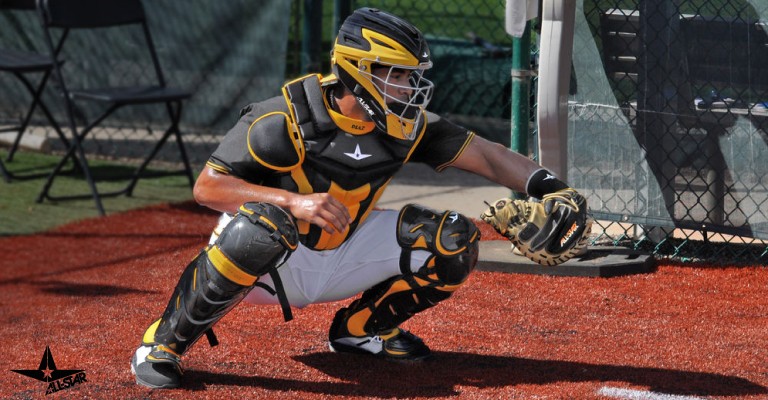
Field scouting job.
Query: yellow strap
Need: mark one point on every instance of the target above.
(228, 269)
(149, 335)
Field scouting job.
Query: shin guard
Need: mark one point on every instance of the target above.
(385, 306)
(258, 239)
(453, 241)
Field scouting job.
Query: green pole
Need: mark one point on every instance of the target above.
(311, 40)
(521, 92)
(341, 10)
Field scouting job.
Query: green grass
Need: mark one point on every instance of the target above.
(21, 214)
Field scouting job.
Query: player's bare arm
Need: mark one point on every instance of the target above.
(227, 193)
(496, 163)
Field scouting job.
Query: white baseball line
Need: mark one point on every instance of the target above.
(641, 394)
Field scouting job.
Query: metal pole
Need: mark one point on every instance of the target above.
(341, 10)
(311, 36)
(555, 58)
(521, 94)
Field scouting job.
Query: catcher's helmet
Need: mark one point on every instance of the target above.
(368, 39)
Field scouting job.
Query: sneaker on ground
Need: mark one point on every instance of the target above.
(397, 344)
(156, 367)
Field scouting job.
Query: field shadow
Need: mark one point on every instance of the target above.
(87, 290)
(440, 376)
(90, 263)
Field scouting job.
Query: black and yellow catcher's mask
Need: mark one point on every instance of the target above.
(371, 39)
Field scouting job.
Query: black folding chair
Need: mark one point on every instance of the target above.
(59, 18)
(20, 63)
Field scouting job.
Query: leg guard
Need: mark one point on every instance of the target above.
(451, 237)
(257, 240)
(453, 241)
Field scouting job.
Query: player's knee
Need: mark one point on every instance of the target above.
(456, 270)
(452, 238)
(260, 237)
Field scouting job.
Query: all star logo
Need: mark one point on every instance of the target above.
(453, 217)
(569, 234)
(358, 154)
(58, 379)
(365, 105)
(548, 177)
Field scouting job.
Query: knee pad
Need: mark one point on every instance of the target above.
(453, 241)
(259, 238)
(452, 238)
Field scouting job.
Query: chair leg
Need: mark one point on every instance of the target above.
(36, 94)
(54, 124)
(185, 159)
(147, 160)
(4, 172)
(76, 147)
(175, 117)
(75, 151)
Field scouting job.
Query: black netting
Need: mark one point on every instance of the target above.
(674, 93)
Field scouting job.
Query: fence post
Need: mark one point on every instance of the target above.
(521, 95)
(555, 57)
(311, 36)
(341, 10)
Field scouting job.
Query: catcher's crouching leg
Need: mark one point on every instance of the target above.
(258, 239)
(370, 324)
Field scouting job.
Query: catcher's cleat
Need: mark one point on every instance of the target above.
(397, 344)
(156, 367)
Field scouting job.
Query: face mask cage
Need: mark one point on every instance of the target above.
(405, 101)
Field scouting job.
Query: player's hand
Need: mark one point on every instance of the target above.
(321, 209)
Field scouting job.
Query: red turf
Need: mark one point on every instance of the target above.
(89, 289)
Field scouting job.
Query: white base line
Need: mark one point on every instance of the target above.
(641, 394)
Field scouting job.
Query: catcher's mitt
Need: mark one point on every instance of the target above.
(549, 232)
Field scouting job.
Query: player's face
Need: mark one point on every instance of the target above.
(394, 83)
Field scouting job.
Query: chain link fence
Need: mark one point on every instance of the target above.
(471, 53)
(667, 110)
(228, 53)
(668, 124)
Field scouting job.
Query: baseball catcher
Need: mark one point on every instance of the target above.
(296, 180)
(550, 231)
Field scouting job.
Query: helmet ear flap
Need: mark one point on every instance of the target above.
(375, 111)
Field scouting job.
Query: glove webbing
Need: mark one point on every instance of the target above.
(567, 201)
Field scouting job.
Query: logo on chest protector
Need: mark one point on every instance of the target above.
(358, 154)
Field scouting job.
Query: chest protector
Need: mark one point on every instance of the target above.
(352, 165)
